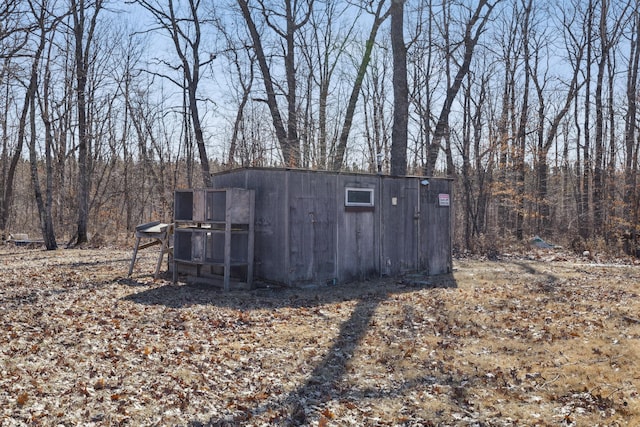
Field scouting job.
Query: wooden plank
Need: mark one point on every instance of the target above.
(227, 239)
(251, 239)
(135, 254)
(164, 245)
(149, 244)
(410, 226)
(199, 204)
(240, 205)
(148, 225)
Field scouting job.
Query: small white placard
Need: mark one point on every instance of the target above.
(443, 199)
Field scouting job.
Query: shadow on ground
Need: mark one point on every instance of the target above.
(178, 295)
(323, 384)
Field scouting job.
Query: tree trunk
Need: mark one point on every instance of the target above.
(81, 83)
(48, 229)
(545, 142)
(10, 163)
(400, 91)
(598, 180)
(197, 130)
(272, 103)
(521, 137)
(630, 167)
(82, 46)
(44, 210)
(584, 211)
(293, 144)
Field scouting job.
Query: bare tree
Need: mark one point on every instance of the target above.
(285, 24)
(379, 16)
(14, 31)
(241, 62)
(631, 199)
(376, 118)
(46, 26)
(478, 159)
(10, 158)
(509, 56)
(186, 34)
(546, 135)
(608, 38)
(473, 30)
(521, 135)
(14, 35)
(324, 45)
(126, 89)
(246, 83)
(83, 29)
(584, 204)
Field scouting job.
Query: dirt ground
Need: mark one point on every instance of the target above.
(542, 339)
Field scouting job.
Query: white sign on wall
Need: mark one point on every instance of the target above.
(443, 199)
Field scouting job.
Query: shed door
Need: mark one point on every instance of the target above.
(435, 226)
(358, 255)
(312, 240)
(410, 231)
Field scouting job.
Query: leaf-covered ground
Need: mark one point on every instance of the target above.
(524, 341)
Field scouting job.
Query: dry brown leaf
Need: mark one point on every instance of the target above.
(22, 399)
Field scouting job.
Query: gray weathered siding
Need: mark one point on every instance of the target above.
(312, 224)
(305, 234)
(271, 215)
(436, 227)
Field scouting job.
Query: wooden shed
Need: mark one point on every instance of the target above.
(315, 227)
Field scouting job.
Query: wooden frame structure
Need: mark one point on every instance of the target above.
(214, 234)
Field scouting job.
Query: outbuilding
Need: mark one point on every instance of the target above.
(317, 227)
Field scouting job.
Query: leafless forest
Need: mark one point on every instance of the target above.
(108, 106)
